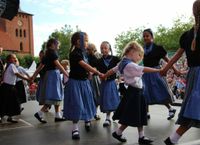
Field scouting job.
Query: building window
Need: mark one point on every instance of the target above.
(16, 32)
(24, 33)
(20, 32)
(21, 46)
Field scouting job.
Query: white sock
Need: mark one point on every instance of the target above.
(174, 137)
(119, 131)
(141, 133)
(170, 109)
(58, 115)
(40, 113)
(75, 126)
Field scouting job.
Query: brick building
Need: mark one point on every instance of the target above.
(17, 35)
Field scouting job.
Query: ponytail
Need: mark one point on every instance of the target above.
(196, 28)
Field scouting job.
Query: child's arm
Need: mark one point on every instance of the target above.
(22, 76)
(178, 73)
(39, 68)
(110, 72)
(149, 70)
(176, 56)
(89, 68)
(24, 72)
(60, 67)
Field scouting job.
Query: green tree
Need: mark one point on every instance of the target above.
(64, 36)
(167, 37)
(122, 39)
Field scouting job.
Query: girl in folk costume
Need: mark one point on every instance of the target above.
(78, 100)
(109, 96)
(132, 110)
(41, 80)
(156, 89)
(9, 102)
(51, 91)
(189, 115)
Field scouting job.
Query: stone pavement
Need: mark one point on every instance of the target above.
(30, 132)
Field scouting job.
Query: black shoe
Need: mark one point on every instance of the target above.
(40, 118)
(144, 140)
(22, 108)
(168, 142)
(11, 120)
(87, 126)
(97, 117)
(148, 116)
(75, 135)
(60, 119)
(107, 123)
(119, 137)
(171, 114)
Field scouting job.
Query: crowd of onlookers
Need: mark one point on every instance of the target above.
(178, 83)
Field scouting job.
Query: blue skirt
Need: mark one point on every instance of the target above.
(156, 90)
(190, 110)
(78, 100)
(109, 99)
(50, 90)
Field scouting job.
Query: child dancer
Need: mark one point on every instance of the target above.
(132, 110)
(189, 115)
(109, 99)
(9, 103)
(41, 78)
(21, 92)
(156, 89)
(78, 100)
(51, 91)
(65, 64)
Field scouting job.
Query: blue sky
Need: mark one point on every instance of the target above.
(101, 19)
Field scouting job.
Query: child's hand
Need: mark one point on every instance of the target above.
(102, 76)
(163, 72)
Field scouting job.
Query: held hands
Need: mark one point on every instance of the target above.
(103, 76)
(163, 71)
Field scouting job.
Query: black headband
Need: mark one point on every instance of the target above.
(149, 30)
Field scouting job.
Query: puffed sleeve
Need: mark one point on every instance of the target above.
(133, 70)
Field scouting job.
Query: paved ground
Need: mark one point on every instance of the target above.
(30, 132)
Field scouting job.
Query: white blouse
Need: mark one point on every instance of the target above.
(10, 75)
(132, 74)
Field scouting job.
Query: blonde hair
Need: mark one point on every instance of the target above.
(65, 62)
(133, 45)
(196, 13)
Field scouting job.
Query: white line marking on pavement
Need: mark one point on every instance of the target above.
(26, 126)
(196, 142)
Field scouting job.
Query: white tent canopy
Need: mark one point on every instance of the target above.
(32, 68)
